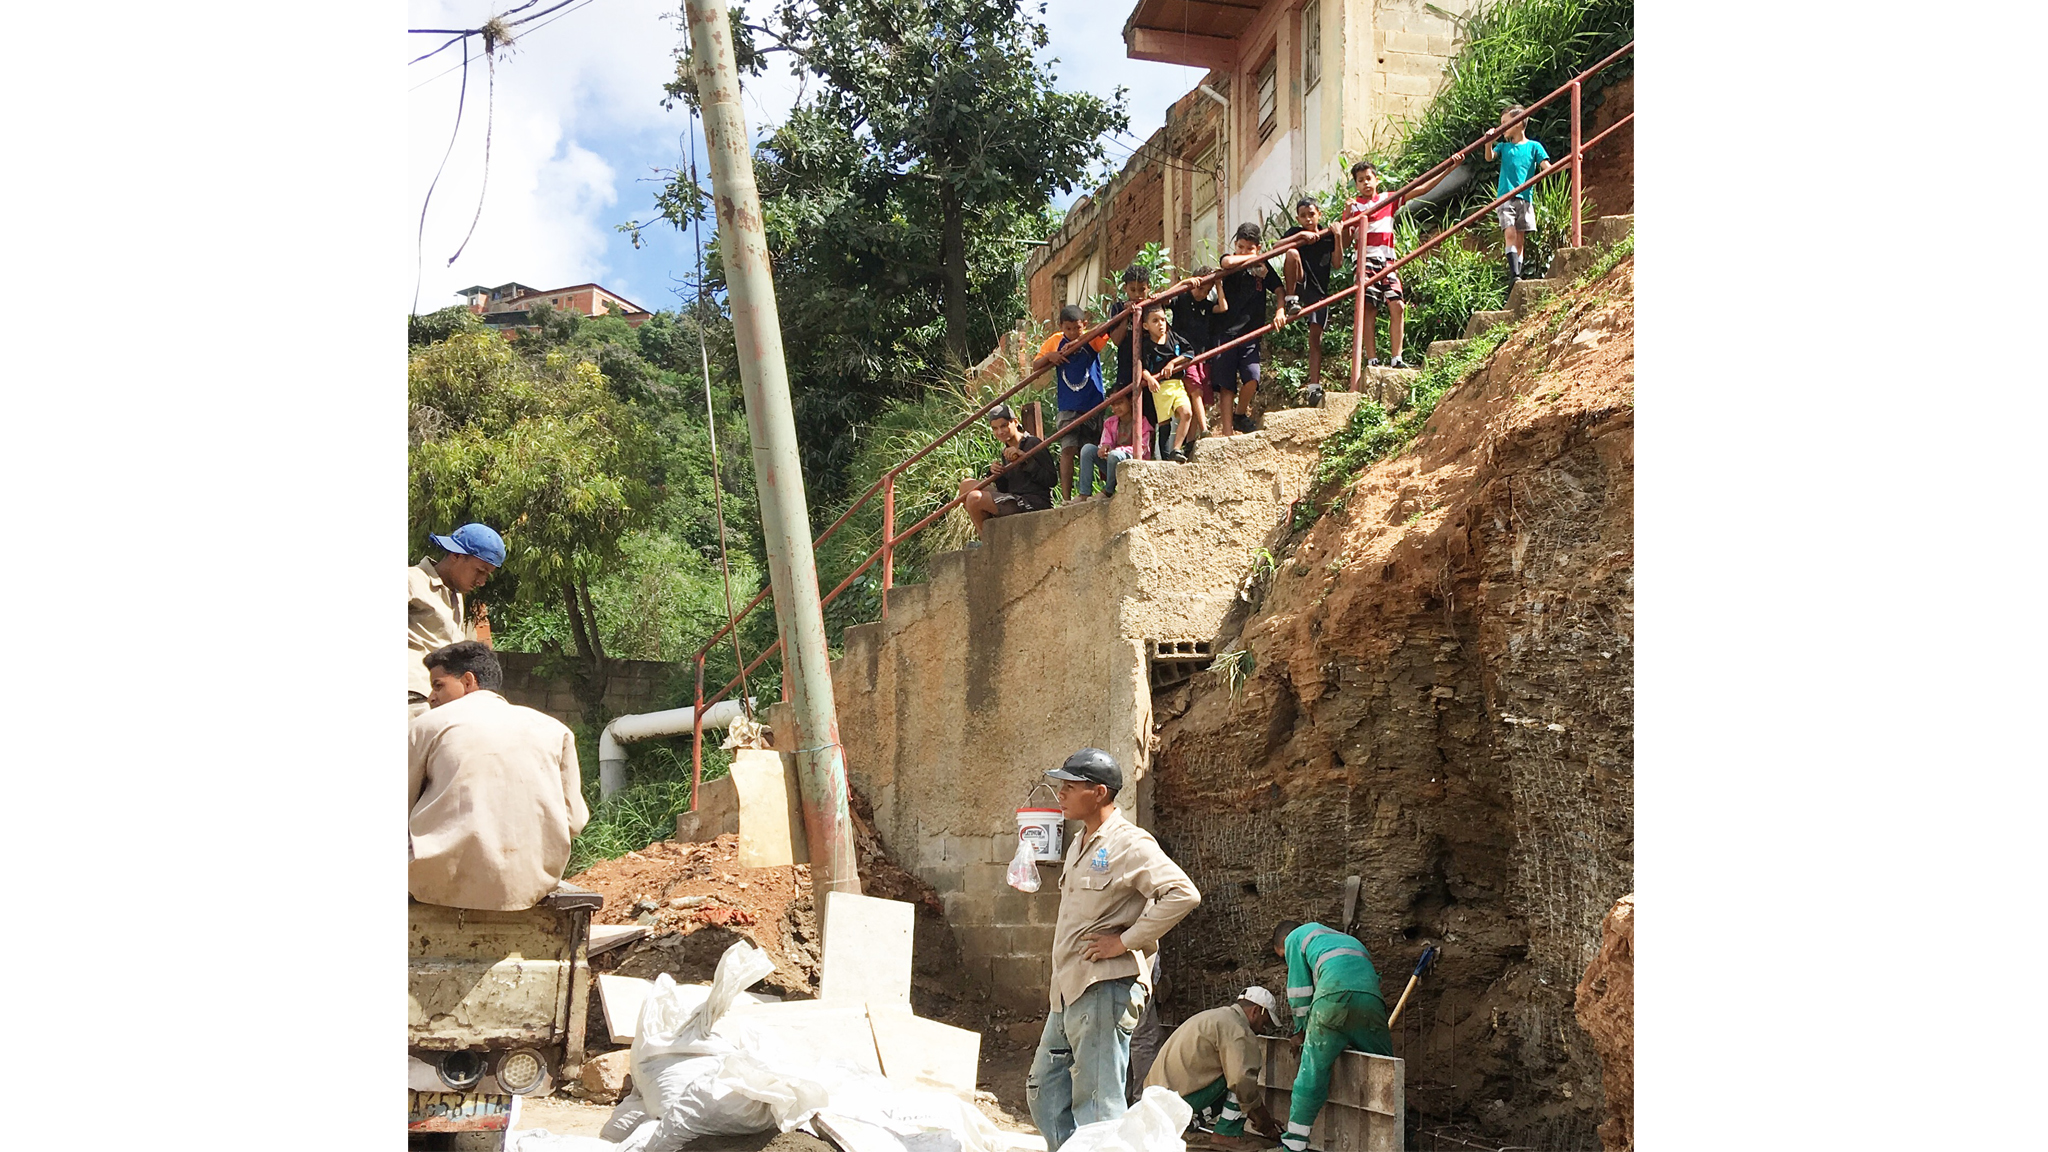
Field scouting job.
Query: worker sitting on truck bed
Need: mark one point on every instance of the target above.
(436, 615)
(1334, 993)
(495, 791)
(1213, 1061)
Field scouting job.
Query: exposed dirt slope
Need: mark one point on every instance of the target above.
(1607, 1011)
(1441, 704)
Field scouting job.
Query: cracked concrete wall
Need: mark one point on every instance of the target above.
(1017, 653)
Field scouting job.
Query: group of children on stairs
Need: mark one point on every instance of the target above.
(1178, 400)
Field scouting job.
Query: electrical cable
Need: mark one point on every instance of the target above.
(522, 38)
(420, 242)
(711, 423)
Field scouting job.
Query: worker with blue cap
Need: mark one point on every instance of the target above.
(438, 615)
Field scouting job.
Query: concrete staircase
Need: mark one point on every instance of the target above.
(1601, 234)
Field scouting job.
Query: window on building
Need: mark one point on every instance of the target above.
(1311, 44)
(1268, 84)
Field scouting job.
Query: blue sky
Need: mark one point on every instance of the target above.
(577, 129)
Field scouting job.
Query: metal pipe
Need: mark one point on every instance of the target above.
(1358, 313)
(1577, 153)
(888, 538)
(697, 737)
(611, 756)
(785, 515)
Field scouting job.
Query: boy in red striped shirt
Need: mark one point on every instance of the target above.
(1374, 214)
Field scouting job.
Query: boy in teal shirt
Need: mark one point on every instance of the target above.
(1519, 159)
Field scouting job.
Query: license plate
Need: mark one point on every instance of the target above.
(458, 1111)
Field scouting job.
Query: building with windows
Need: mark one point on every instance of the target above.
(506, 305)
(1295, 90)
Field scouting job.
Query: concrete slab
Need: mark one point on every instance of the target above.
(622, 996)
(925, 1053)
(867, 950)
(770, 824)
(839, 1033)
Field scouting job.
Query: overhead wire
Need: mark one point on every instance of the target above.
(420, 242)
(522, 37)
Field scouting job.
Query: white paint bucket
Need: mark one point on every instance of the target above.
(1045, 830)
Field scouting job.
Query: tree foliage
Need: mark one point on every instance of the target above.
(930, 140)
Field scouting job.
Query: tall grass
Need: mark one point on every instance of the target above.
(644, 811)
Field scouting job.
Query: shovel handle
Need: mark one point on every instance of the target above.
(1401, 1003)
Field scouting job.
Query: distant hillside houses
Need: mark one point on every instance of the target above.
(506, 306)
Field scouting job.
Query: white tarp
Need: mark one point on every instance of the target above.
(698, 1073)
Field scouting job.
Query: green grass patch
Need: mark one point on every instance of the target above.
(644, 811)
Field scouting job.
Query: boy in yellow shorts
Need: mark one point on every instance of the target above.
(1165, 356)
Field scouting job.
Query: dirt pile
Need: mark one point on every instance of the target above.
(1607, 1011)
(1440, 702)
(696, 900)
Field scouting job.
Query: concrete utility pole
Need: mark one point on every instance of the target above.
(785, 514)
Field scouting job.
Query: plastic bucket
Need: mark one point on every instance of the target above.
(1045, 830)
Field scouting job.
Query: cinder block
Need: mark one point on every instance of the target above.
(1021, 983)
(1406, 42)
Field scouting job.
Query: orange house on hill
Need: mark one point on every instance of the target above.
(506, 306)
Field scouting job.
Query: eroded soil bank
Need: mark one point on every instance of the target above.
(1441, 704)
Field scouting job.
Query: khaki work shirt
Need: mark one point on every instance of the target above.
(495, 795)
(436, 618)
(1117, 879)
(1212, 1045)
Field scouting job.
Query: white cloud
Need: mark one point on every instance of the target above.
(579, 125)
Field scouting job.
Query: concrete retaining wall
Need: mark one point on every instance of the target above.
(1019, 652)
(636, 686)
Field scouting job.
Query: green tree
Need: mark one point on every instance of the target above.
(930, 141)
(541, 449)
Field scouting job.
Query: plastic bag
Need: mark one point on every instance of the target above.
(1153, 1124)
(673, 1036)
(1023, 874)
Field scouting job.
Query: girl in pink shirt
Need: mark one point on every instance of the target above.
(1113, 448)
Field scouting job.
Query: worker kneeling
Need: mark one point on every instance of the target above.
(495, 790)
(1213, 1061)
(1333, 993)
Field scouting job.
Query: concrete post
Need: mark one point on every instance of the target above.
(785, 515)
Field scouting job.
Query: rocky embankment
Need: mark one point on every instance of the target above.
(1441, 703)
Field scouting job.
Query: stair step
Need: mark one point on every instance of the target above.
(1607, 231)
(1442, 348)
(1526, 294)
(1481, 321)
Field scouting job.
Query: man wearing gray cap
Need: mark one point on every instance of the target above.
(1213, 1061)
(1119, 893)
(438, 613)
(1020, 485)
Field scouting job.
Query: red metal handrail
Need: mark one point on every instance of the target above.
(886, 483)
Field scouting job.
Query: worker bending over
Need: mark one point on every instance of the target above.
(495, 791)
(1118, 895)
(1213, 1061)
(1334, 993)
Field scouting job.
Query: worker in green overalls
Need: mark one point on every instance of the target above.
(1334, 993)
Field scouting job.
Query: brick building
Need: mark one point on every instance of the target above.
(506, 305)
(1295, 89)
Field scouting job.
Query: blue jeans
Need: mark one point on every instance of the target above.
(1091, 457)
(1078, 1075)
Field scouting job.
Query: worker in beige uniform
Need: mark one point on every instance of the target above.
(1213, 1062)
(438, 615)
(494, 787)
(1118, 895)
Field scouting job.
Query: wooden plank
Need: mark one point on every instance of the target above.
(1366, 1109)
(605, 937)
(924, 1053)
(867, 950)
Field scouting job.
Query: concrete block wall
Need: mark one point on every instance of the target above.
(636, 686)
(1017, 653)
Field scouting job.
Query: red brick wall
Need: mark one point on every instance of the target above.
(1134, 217)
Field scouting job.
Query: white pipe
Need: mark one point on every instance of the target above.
(1213, 94)
(611, 755)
